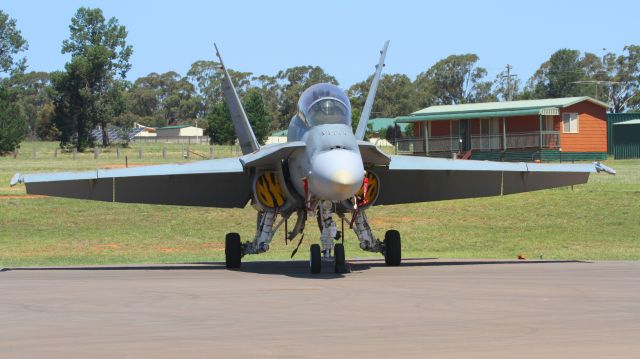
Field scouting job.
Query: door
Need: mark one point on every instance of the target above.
(465, 136)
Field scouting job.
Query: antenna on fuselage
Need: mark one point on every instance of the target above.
(247, 139)
(368, 105)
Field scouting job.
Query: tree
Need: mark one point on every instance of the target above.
(220, 126)
(33, 91)
(257, 114)
(71, 101)
(453, 80)
(11, 44)
(291, 83)
(167, 97)
(99, 58)
(220, 130)
(46, 129)
(208, 80)
(90, 34)
(558, 76)
(623, 73)
(269, 89)
(12, 124)
(396, 96)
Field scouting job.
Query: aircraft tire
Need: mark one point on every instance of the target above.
(315, 260)
(232, 250)
(338, 254)
(393, 248)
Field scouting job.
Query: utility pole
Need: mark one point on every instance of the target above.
(509, 76)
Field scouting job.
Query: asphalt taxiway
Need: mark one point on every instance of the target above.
(425, 308)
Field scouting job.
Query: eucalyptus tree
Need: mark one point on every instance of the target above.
(91, 82)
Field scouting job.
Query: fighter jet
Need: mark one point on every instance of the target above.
(324, 170)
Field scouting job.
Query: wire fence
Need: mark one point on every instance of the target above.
(170, 152)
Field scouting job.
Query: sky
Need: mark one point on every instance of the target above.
(343, 37)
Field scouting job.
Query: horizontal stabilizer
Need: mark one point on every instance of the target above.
(371, 155)
(270, 155)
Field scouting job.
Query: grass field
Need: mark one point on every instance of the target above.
(599, 220)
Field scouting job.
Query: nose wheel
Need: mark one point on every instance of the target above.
(315, 259)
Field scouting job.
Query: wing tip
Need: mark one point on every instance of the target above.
(603, 168)
(17, 178)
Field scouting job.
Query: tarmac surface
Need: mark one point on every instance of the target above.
(425, 308)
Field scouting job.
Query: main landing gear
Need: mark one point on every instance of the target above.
(232, 250)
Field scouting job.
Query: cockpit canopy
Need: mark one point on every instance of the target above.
(323, 104)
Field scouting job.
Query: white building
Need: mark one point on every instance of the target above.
(179, 131)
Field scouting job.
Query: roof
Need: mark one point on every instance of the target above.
(281, 133)
(630, 122)
(496, 109)
(174, 127)
(116, 134)
(378, 124)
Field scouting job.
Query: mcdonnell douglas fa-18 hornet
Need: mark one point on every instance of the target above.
(324, 170)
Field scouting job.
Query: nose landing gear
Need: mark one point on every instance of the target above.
(315, 259)
(340, 262)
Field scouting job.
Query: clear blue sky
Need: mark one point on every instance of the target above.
(343, 37)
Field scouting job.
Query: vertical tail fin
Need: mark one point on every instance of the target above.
(247, 139)
(366, 111)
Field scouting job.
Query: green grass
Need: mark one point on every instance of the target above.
(599, 220)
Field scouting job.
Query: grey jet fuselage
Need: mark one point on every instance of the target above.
(331, 160)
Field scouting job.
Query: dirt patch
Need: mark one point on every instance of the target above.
(120, 165)
(215, 246)
(103, 247)
(26, 196)
(380, 222)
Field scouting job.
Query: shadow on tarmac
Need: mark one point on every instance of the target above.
(297, 269)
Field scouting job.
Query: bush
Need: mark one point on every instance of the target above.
(13, 125)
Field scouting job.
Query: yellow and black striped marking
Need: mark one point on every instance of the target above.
(268, 190)
(372, 188)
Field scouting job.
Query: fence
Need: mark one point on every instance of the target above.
(524, 140)
(178, 139)
(144, 152)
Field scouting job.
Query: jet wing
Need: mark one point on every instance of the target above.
(410, 179)
(211, 183)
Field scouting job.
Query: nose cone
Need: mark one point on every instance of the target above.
(336, 174)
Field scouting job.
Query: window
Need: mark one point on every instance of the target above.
(570, 122)
(489, 126)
